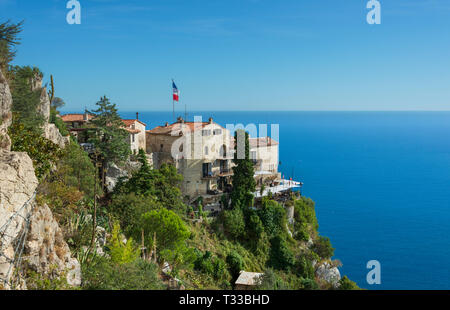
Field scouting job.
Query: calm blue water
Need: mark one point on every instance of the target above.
(381, 182)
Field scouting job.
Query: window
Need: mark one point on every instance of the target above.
(132, 138)
(206, 150)
(217, 132)
(253, 155)
(206, 132)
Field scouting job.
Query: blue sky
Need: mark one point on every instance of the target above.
(241, 54)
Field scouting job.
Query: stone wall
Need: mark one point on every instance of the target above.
(5, 113)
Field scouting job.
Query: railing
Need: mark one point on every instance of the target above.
(19, 243)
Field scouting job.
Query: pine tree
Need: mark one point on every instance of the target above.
(243, 178)
(108, 136)
(8, 40)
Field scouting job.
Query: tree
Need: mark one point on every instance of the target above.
(57, 103)
(323, 247)
(235, 263)
(122, 252)
(108, 136)
(26, 100)
(243, 178)
(281, 257)
(8, 40)
(170, 229)
(273, 217)
(234, 223)
(271, 281)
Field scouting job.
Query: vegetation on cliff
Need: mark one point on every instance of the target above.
(125, 239)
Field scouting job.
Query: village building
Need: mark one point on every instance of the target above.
(76, 124)
(201, 151)
(248, 280)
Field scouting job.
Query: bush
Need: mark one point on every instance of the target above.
(235, 264)
(281, 257)
(346, 284)
(304, 268)
(103, 274)
(309, 284)
(234, 224)
(273, 217)
(122, 252)
(323, 247)
(271, 281)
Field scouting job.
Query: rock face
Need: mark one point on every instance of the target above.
(17, 185)
(114, 173)
(51, 132)
(5, 113)
(46, 252)
(328, 273)
(44, 247)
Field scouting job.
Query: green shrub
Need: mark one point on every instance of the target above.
(103, 274)
(346, 284)
(235, 263)
(281, 257)
(323, 247)
(234, 224)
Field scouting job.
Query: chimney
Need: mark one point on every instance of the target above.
(137, 115)
(85, 116)
(166, 125)
(180, 119)
(210, 120)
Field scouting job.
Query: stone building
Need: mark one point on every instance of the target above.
(137, 137)
(136, 129)
(201, 151)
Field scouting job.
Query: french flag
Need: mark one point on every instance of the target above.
(176, 93)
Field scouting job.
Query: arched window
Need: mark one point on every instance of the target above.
(206, 150)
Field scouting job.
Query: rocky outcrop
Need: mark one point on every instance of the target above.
(46, 251)
(17, 185)
(329, 273)
(51, 132)
(115, 173)
(26, 228)
(5, 113)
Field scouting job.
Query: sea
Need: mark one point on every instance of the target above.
(380, 180)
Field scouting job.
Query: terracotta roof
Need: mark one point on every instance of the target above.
(75, 117)
(248, 278)
(175, 128)
(129, 122)
(262, 142)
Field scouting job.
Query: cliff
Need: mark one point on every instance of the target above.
(30, 238)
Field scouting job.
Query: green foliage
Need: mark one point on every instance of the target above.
(254, 227)
(47, 281)
(162, 184)
(122, 252)
(243, 177)
(214, 266)
(235, 263)
(347, 284)
(128, 210)
(55, 119)
(281, 257)
(76, 169)
(304, 213)
(107, 135)
(103, 274)
(234, 224)
(43, 152)
(8, 40)
(178, 258)
(171, 231)
(271, 281)
(323, 248)
(304, 268)
(26, 100)
(273, 217)
(309, 284)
